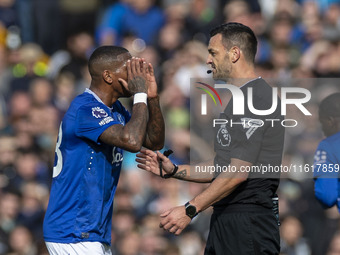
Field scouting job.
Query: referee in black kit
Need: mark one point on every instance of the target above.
(244, 219)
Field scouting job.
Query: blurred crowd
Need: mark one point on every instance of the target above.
(44, 48)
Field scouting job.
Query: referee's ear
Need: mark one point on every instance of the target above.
(235, 54)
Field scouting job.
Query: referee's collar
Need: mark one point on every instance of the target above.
(96, 97)
(251, 81)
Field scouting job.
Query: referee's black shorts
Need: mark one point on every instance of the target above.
(243, 230)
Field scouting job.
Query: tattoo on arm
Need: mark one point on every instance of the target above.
(155, 127)
(137, 85)
(131, 136)
(181, 174)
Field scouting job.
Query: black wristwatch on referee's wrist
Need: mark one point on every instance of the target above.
(190, 210)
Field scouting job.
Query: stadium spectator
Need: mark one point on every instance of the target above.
(21, 242)
(139, 18)
(292, 241)
(334, 248)
(9, 209)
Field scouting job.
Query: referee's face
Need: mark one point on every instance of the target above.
(218, 58)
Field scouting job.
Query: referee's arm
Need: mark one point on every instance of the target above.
(148, 160)
(176, 219)
(221, 187)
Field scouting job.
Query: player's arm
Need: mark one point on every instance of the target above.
(149, 161)
(131, 136)
(155, 129)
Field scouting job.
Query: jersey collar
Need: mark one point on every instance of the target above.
(251, 81)
(96, 97)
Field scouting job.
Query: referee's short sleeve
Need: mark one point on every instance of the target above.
(247, 135)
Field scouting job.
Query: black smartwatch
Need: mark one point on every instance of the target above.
(190, 210)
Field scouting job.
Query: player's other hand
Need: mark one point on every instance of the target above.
(137, 77)
(151, 80)
(148, 160)
(174, 220)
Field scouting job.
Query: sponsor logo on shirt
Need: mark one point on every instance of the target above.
(117, 156)
(105, 121)
(98, 112)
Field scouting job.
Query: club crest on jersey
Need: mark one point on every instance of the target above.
(223, 136)
(98, 112)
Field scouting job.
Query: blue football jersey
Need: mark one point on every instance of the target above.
(326, 171)
(85, 173)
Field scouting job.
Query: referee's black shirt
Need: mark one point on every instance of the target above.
(259, 145)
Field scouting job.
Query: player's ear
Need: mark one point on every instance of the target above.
(235, 53)
(107, 76)
(333, 121)
(333, 124)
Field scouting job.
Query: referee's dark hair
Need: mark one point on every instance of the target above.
(105, 55)
(237, 34)
(330, 106)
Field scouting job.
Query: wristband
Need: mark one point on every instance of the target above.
(140, 98)
(166, 176)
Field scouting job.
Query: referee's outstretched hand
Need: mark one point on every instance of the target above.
(148, 160)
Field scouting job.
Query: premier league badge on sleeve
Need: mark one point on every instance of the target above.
(98, 112)
(223, 136)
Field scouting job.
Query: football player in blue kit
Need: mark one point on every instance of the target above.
(327, 155)
(89, 152)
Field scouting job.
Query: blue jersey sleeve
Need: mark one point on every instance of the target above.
(92, 120)
(325, 175)
(126, 114)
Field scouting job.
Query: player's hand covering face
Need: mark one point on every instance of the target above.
(151, 80)
(137, 76)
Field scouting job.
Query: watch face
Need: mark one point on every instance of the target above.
(191, 211)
